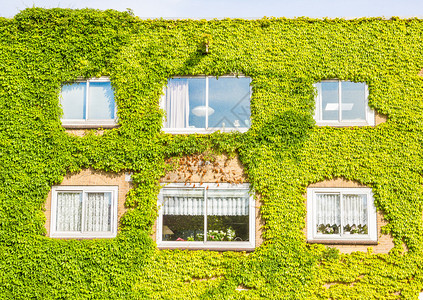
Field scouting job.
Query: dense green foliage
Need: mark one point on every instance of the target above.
(283, 152)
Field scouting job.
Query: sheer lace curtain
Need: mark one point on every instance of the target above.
(97, 212)
(180, 205)
(355, 210)
(69, 211)
(228, 203)
(328, 209)
(176, 104)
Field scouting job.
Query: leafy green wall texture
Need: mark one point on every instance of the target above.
(283, 152)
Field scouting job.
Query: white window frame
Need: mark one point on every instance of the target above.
(211, 245)
(206, 130)
(369, 115)
(89, 123)
(84, 190)
(312, 234)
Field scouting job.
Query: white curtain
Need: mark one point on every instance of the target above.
(176, 104)
(354, 210)
(219, 203)
(328, 209)
(98, 212)
(227, 206)
(191, 206)
(69, 211)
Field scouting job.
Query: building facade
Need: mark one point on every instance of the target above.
(221, 159)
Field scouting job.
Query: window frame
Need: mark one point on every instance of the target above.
(312, 234)
(89, 123)
(205, 130)
(84, 190)
(369, 113)
(207, 245)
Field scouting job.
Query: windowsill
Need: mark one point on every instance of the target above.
(79, 237)
(343, 242)
(247, 248)
(203, 130)
(345, 124)
(89, 124)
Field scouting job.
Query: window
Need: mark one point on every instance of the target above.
(207, 216)
(206, 104)
(84, 211)
(88, 103)
(342, 103)
(341, 214)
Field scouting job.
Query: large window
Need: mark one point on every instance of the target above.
(206, 104)
(207, 216)
(342, 103)
(335, 214)
(88, 103)
(84, 211)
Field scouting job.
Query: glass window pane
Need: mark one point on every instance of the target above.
(98, 212)
(227, 215)
(229, 99)
(328, 213)
(329, 99)
(354, 214)
(353, 101)
(183, 214)
(73, 100)
(197, 102)
(101, 101)
(69, 211)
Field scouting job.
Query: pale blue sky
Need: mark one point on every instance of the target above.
(251, 9)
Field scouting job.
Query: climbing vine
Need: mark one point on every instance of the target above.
(283, 152)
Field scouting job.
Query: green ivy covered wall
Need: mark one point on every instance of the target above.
(283, 152)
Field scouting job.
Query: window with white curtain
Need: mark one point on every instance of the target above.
(84, 211)
(341, 214)
(343, 103)
(204, 104)
(88, 103)
(206, 216)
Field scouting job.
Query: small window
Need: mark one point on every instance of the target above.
(206, 104)
(207, 216)
(335, 214)
(84, 211)
(88, 103)
(342, 103)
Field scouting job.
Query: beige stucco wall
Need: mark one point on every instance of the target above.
(204, 168)
(89, 177)
(385, 243)
(379, 118)
(84, 132)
